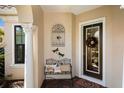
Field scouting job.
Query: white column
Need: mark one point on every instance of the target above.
(35, 55)
(29, 80)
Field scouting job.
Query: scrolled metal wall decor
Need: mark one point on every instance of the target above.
(58, 35)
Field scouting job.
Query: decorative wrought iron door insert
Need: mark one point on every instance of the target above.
(92, 50)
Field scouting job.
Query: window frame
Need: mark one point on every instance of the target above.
(15, 52)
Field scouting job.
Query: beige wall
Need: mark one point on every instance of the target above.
(50, 19)
(17, 71)
(113, 46)
(24, 13)
(117, 45)
(73, 44)
(38, 45)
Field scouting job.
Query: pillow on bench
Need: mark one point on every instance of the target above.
(65, 68)
(50, 68)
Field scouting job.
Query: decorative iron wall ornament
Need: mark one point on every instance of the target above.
(57, 51)
(92, 38)
(58, 35)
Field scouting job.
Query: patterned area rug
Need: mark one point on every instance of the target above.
(83, 83)
(12, 84)
(70, 83)
(16, 84)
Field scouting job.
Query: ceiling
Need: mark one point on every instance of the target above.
(75, 9)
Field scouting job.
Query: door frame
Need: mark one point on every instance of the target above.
(81, 24)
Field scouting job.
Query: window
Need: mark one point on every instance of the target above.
(19, 44)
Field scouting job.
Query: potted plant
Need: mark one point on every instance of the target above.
(2, 45)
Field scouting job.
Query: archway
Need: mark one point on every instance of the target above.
(23, 17)
(26, 19)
